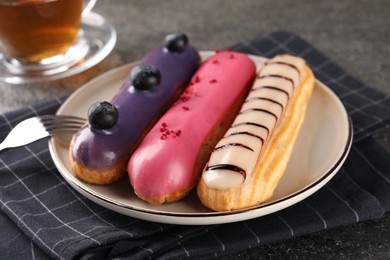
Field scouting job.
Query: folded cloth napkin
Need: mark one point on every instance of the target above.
(43, 217)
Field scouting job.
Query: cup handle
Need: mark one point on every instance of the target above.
(88, 7)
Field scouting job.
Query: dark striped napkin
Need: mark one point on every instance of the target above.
(42, 216)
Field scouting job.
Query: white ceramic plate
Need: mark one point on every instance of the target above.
(321, 148)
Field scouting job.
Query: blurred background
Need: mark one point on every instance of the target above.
(354, 34)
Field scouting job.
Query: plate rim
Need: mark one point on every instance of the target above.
(205, 217)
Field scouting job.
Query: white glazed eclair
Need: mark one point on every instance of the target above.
(248, 162)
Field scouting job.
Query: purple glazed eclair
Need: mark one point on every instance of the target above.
(100, 150)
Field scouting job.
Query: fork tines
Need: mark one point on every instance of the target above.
(60, 124)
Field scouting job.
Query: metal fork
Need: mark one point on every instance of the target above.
(35, 128)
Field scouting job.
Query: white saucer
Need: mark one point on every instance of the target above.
(97, 38)
(321, 148)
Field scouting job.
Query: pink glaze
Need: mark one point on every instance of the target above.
(164, 162)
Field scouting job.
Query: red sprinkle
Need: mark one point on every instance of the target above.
(184, 98)
(215, 61)
(197, 79)
(232, 56)
(166, 133)
(185, 108)
(213, 81)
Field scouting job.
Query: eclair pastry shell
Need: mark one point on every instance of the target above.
(273, 161)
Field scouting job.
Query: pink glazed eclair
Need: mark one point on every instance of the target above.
(170, 159)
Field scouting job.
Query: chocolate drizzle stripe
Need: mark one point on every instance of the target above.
(278, 76)
(273, 88)
(228, 167)
(247, 133)
(285, 64)
(252, 124)
(233, 144)
(259, 110)
(266, 99)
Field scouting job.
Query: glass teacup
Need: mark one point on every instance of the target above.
(35, 34)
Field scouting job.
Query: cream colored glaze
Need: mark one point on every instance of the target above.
(253, 137)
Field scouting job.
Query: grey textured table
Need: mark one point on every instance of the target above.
(354, 34)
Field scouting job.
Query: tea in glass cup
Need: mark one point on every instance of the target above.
(35, 30)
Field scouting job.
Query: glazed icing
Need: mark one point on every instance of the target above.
(138, 110)
(164, 163)
(264, 107)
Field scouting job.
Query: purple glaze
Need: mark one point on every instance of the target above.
(138, 110)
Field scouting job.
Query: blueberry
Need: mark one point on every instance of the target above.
(145, 77)
(176, 42)
(102, 115)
